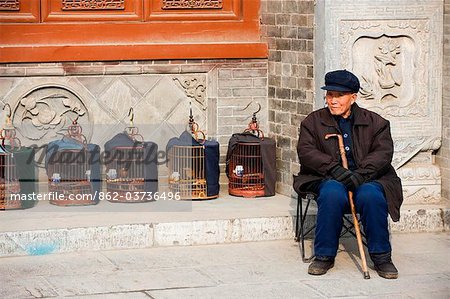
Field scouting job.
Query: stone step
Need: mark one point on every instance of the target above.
(47, 229)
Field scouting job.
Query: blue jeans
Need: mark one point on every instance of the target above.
(332, 203)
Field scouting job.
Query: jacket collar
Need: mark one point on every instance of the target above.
(360, 118)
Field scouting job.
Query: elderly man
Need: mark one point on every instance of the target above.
(370, 176)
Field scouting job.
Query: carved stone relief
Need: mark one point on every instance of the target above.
(192, 4)
(421, 179)
(389, 57)
(388, 75)
(44, 113)
(422, 194)
(420, 172)
(10, 5)
(194, 87)
(92, 4)
(406, 148)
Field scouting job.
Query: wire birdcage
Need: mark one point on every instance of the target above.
(126, 168)
(245, 161)
(125, 173)
(9, 182)
(187, 165)
(69, 171)
(187, 169)
(246, 173)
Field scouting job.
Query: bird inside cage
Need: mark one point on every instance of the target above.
(73, 169)
(131, 165)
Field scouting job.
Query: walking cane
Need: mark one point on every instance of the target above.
(352, 206)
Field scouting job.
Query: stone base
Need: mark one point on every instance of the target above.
(423, 218)
(50, 229)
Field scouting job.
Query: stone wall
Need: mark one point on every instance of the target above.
(45, 97)
(443, 155)
(287, 26)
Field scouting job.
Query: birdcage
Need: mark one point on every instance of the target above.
(250, 162)
(9, 182)
(131, 166)
(193, 164)
(73, 169)
(246, 174)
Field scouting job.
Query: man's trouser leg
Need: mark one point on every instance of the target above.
(371, 205)
(332, 204)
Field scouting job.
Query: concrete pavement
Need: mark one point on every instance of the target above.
(269, 269)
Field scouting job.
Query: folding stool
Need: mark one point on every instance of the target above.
(301, 232)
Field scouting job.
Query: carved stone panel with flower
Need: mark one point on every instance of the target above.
(194, 87)
(44, 113)
(387, 56)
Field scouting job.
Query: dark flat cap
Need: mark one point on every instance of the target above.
(341, 80)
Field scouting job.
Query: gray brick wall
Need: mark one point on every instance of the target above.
(287, 26)
(443, 155)
(238, 85)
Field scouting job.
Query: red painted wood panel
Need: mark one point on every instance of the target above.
(53, 11)
(135, 52)
(231, 10)
(142, 30)
(28, 12)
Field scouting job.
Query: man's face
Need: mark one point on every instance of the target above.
(340, 102)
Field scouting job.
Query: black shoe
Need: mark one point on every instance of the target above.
(321, 265)
(383, 265)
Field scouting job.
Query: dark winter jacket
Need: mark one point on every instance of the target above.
(373, 149)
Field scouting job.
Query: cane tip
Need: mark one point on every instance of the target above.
(366, 275)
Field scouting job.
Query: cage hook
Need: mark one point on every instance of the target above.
(131, 115)
(192, 124)
(8, 114)
(259, 108)
(245, 108)
(254, 113)
(75, 131)
(132, 131)
(253, 126)
(248, 105)
(194, 128)
(75, 121)
(191, 116)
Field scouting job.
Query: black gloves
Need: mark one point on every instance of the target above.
(341, 174)
(356, 181)
(350, 179)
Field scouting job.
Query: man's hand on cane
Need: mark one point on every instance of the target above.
(350, 179)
